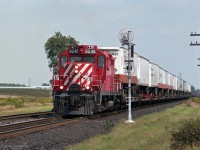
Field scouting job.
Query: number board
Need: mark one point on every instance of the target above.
(90, 50)
(86, 50)
(73, 51)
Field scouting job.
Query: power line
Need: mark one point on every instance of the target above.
(194, 34)
(196, 43)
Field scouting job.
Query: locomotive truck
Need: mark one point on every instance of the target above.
(91, 79)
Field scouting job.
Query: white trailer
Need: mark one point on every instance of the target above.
(153, 74)
(166, 79)
(175, 82)
(171, 79)
(161, 78)
(121, 57)
(142, 71)
(189, 87)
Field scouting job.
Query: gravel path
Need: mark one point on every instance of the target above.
(59, 138)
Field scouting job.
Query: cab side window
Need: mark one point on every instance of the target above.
(63, 61)
(100, 61)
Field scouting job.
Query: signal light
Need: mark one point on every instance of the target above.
(129, 68)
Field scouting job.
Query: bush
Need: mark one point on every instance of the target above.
(197, 100)
(45, 100)
(17, 102)
(187, 136)
(108, 125)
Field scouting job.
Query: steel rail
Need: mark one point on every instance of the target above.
(25, 115)
(13, 130)
(16, 126)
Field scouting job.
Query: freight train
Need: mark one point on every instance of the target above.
(91, 79)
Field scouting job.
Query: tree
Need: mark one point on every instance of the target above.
(45, 84)
(56, 45)
(192, 88)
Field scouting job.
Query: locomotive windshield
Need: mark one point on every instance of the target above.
(76, 59)
(88, 59)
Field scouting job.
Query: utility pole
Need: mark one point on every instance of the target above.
(29, 82)
(196, 43)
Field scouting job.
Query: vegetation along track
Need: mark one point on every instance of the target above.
(13, 130)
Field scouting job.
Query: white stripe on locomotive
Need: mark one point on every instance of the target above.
(76, 78)
(67, 70)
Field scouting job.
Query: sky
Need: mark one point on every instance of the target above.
(161, 33)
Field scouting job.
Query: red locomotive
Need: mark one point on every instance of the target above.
(89, 80)
(85, 81)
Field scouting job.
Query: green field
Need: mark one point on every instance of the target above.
(150, 132)
(25, 92)
(17, 101)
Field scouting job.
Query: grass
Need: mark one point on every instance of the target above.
(150, 132)
(17, 105)
(30, 109)
(17, 101)
(196, 100)
(26, 92)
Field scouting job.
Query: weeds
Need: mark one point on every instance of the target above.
(17, 102)
(21, 101)
(197, 100)
(108, 125)
(45, 100)
(187, 136)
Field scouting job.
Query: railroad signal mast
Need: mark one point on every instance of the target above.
(125, 37)
(196, 43)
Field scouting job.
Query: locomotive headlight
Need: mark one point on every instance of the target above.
(87, 87)
(61, 87)
(76, 67)
(76, 71)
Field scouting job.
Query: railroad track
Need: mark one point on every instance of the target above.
(13, 130)
(17, 129)
(29, 115)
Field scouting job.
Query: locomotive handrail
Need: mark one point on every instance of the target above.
(96, 79)
(116, 83)
(55, 80)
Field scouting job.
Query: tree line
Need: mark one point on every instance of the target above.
(11, 85)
